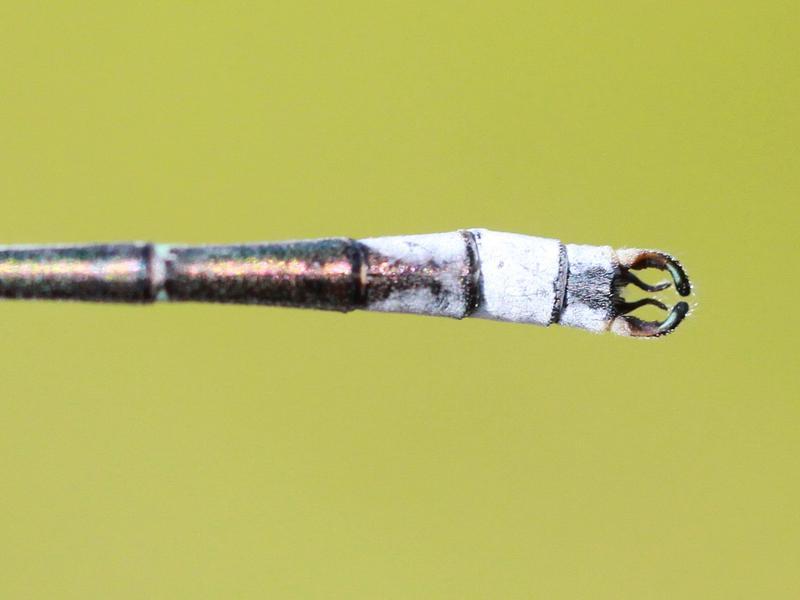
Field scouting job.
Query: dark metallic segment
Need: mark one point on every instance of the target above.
(99, 273)
(322, 274)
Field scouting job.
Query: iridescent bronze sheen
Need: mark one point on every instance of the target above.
(323, 274)
(100, 272)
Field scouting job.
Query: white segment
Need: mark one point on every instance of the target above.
(589, 288)
(520, 276)
(438, 259)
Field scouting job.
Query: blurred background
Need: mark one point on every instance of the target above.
(237, 452)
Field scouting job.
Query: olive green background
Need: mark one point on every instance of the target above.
(236, 452)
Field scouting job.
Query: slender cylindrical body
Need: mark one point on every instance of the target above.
(476, 272)
(97, 272)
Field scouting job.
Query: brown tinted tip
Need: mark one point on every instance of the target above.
(629, 325)
(636, 327)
